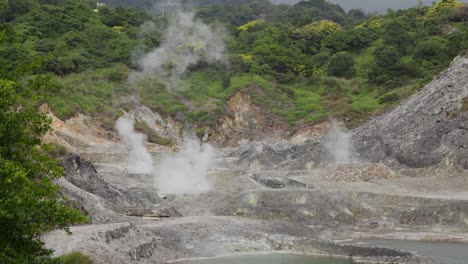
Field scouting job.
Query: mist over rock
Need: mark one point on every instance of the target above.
(186, 172)
(139, 159)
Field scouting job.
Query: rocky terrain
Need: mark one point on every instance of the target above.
(426, 129)
(406, 177)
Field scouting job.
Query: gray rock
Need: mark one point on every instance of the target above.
(424, 129)
(269, 182)
(91, 194)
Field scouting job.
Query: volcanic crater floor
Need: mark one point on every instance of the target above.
(321, 211)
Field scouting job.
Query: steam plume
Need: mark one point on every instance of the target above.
(186, 171)
(139, 159)
(186, 42)
(339, 144)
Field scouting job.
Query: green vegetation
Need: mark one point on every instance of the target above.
(75, 258)
(465, 104)
(30, 202)
(303, 63)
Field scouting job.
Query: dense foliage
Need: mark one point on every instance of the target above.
(296, 52)
(30, 203)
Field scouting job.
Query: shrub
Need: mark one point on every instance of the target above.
(75, 258)
(389, 98)
(116, 74)
(351, 40)
(341, 65)
(430, 49)
(55, 150)
(465, 104)
(386, 56)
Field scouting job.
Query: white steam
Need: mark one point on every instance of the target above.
(339, 144)
(186, 172)
(139, 159)
(186, 42)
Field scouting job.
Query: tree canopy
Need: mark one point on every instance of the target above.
(30, 203)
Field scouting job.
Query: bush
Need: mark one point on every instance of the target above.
(322, 57)
(116, 74)
(389, 98)
(430, 49)
(75, 258)
(55, 150)
(342, 65)
(465, 104)
(351, 40)
(386, 56)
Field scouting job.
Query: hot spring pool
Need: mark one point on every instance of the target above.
(271, 259)
(442, 252)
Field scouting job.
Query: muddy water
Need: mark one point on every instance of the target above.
(442, 252)
(272, 259)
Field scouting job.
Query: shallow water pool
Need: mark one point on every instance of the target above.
(272, 259)
(442, 252)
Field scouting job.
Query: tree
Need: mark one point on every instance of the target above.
(386, 56)
(314, 33)
(341, 65)
(305, 12)
(3, 5)
(30, 203)
(430, 49)
(357, 14)
(351, 40)
(444, 6)
(16, 8)
(396, 34)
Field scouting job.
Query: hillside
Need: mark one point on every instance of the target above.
(380, 6)
(298, 65)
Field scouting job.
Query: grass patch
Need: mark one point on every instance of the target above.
(75, 258)
(465, 104)
(156, 96)
(365, 58)
(54, 150)
(91, 93)
(365, 103)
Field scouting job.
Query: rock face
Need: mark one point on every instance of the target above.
(267, 155)
(104, 203)
(428, 127)
(164, 127)
(244, 120)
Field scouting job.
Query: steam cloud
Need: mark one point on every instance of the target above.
(186, 172)
(139, 159)
(339, 144)
(186, 42)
